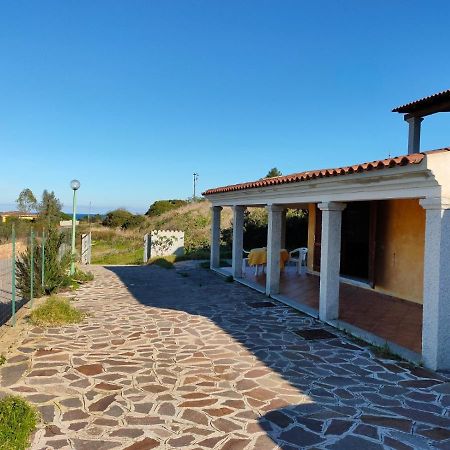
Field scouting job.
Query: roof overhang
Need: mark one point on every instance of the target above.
(426, 106)
(426, 179)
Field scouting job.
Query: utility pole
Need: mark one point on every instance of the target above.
(195, 175)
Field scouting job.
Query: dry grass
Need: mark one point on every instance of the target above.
(194, 219)
(6, 249)
(116, 246)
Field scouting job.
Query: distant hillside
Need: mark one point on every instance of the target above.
(125, 246)
(194, 219)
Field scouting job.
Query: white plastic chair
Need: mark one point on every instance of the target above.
(245, 260)
(301, 260)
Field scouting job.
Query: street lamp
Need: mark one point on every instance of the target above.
(75, 185)
(195, 175)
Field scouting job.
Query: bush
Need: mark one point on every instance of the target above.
(82, 277)
(162, 206)
(56, 266)
(116, 218)
(18, 420)
(56, 311)
(134, 221)
(121, 218)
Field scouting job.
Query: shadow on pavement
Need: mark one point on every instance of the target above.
(349, 398)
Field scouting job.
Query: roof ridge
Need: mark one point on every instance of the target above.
(394, 161)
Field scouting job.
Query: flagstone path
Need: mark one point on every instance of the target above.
(183, 359)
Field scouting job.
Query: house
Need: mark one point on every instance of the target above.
(17, 214)
(378, 243)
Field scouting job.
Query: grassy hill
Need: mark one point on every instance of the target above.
(117, 246)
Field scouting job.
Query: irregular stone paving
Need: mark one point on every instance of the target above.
(178, 359)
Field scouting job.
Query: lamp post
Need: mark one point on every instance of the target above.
(195, 176)
(75, 185)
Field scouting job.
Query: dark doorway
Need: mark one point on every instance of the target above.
(317, 240)
(358, 240)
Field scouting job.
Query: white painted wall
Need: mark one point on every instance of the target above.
(166, 243)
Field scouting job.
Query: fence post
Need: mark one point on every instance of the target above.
(90, 248)
(145, 248)
(43, 262)
(31, 266)
(86, 248)
(13, 277)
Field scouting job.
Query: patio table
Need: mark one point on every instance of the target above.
(258, 256)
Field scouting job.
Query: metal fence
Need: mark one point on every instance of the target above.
(18, 247)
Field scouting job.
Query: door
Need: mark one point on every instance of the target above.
(358, 241)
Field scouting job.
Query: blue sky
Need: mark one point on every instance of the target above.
(131, 97)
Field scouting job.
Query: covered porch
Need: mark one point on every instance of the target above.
(401, 300)
(361, 311)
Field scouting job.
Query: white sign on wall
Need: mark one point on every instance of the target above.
(163, 243)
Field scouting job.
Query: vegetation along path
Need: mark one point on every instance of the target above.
(183, 359)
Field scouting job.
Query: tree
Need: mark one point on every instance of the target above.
(274, 172)
(116, 218)
(26, 202)
(162, 206)
(50, 207)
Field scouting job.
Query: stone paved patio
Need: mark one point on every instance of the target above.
(180, 359)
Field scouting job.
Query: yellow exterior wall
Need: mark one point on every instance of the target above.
(311, 231)
(400, 249)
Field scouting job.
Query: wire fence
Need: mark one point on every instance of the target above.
(15, 248)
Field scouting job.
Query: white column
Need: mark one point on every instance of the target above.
(273, 249)
(215, 237)
(330, 259)
(436, 285)
(414, 134)
(238, 240)
(283, 228)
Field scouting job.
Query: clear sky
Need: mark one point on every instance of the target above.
(133, 96)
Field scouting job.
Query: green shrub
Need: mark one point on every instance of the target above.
(18, 419)
(116, 218)
(82, 277)
(56, 311)
(134, 221)
(56, 266)
(162, 206)
(121, 218)
(2, 359)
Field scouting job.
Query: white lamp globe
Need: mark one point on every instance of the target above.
(75, 185)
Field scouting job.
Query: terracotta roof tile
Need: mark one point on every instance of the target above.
(426, 101)
(397, 161)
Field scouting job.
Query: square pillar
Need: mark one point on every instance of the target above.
(413, 134)
(436, 285)
(273, 249)
(215, 237)
(238, 240)
(283, 228)
(330, 260)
